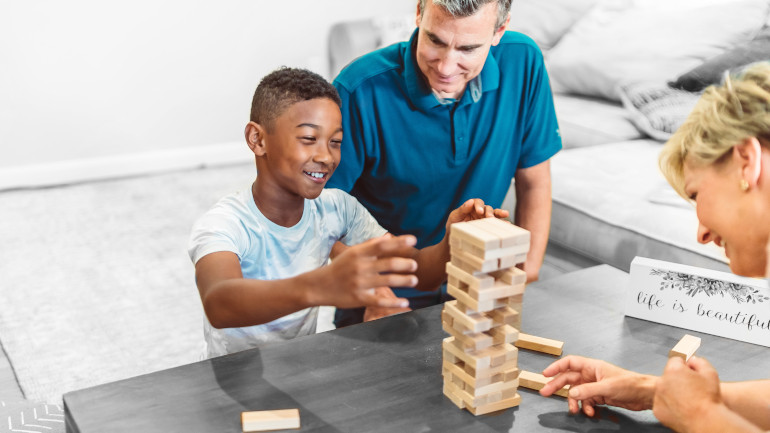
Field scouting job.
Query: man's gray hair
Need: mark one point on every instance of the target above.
(466, 8)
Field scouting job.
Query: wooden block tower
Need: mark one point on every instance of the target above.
(480, 365)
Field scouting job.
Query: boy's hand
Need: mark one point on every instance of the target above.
(474, 209)
(374, 313)
(378, 263)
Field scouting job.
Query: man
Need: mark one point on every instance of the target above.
(453, 113)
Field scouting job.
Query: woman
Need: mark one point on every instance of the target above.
(720, 160)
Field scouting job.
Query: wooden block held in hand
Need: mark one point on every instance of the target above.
(537, 381)
(266, 420)
(539, 344)
(686, 347)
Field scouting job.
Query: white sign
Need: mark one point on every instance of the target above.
(698, 299)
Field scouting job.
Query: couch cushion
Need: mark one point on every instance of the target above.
(547, 21)
(585, 121)
(712, 70)
(622, 41)
(610, 203)
(656, 109)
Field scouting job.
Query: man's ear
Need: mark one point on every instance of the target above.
(255, 138)
(417, 18)
(748, 155)
(501, 31)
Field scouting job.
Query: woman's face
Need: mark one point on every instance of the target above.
(729, 216)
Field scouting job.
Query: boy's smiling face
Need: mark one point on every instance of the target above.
(302, 149)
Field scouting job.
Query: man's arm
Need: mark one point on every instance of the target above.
(533, 212)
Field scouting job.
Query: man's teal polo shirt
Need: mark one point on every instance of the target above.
(411, 160)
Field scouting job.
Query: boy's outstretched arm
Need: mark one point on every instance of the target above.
(431, 261)
(230, 300)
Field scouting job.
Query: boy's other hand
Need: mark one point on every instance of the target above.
(359, 272)
(385, 294)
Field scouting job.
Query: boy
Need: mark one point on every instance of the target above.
(259, 254)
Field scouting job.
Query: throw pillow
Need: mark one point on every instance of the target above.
(657, 110)
(626, 41)
(712, 71)
(547, 21)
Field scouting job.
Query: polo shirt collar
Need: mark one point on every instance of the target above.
(420, 92)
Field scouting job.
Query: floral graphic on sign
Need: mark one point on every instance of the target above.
(692, 285)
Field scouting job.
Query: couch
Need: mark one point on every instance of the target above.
(625, 73)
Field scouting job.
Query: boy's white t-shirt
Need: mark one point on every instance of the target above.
(268, 251)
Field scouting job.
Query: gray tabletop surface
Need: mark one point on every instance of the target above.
(385, 376)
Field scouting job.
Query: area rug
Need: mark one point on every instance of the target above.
(95, 281)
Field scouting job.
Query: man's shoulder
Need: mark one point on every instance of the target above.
(517, 42)
(370, 66)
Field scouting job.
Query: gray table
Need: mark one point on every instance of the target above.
(385, 376)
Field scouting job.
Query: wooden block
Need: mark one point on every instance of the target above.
(475, 264)
(452, 397)
(498, 291)
(686, 347)
(513, 260)
(473, 322)
(508, 233)
(461, 263)
(266, 420)
(463, 395)
(470, 360)
(484, 359)
(469, 342)
(503, 316)
(539, 344)
(486, 254)
(536, 381)
(494, 407)
(473, 303)
(510, 276)
(473, 281)
(458, 369)
(504, 334)
(494, 387)
(469, 232)
(490, 372)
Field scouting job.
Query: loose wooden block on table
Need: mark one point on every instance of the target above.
(539, 344)
(267, 420)
(685, 348)
(537, 381)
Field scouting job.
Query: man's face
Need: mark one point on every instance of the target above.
(452, 51)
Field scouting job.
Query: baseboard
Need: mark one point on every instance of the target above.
(91, 169)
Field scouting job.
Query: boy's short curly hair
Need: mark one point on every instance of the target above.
(284, 87)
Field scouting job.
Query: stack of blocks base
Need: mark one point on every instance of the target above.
(480, 365)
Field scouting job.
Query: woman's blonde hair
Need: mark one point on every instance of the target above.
(724, 116)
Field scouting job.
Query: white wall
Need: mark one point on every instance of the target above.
(93, 81)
